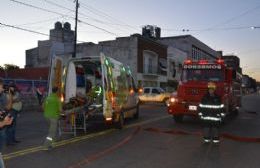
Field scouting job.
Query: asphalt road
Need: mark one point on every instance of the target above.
(154, 141)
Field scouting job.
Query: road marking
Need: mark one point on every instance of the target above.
(92, 157)
(76, 139)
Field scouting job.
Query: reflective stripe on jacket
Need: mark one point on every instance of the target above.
(211, 108)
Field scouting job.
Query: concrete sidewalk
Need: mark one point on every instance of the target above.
(31, 130)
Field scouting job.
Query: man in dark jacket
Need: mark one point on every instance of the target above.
(211, 113)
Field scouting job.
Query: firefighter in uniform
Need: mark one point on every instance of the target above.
(211, 113)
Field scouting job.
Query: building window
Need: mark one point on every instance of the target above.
(150, 63)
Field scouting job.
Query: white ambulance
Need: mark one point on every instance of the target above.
(101, 85)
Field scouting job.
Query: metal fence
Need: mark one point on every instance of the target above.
(32, 92)
(29, 87)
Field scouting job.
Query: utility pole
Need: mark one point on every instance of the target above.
(76, 27)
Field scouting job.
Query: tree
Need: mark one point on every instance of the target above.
(9, 67)
(1, 68)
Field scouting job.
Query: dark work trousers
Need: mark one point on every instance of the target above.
(211, 129)
(2, 143)
(11, 129)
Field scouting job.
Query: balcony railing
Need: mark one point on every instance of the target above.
(149, 69)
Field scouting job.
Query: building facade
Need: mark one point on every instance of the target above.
(60, 42)
(175, 61)
(146, 58)
(154, 60)
(194, 48)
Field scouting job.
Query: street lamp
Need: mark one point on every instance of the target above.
(255, 27)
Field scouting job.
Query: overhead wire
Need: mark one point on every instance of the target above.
(105, 15)
(235, 17)
(30, 31)
(36, 7)
(29, 24)
(86, 17)
(54, 12)
(215, 29)
(38, 22)
(23, 29)
(82, 14)
(45, 34)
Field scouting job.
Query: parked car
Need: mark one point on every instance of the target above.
(154, 94)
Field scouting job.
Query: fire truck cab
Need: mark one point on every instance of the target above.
(193, 86)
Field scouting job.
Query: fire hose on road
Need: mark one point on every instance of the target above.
(199, 133)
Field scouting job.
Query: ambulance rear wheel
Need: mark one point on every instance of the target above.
(119, 124)
(178, 118)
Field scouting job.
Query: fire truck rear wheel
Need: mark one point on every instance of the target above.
(178, 118)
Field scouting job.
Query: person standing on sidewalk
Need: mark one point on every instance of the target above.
(16, 107)
(211, 112)
(52, 109)
(7, 120)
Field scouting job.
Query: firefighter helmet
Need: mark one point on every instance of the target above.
(212, 85)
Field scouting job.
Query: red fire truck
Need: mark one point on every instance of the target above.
(193, 85)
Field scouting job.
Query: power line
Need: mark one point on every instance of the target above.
(98, 28)
(50, 11)
(235, 17)
(37, 22)
(58, 5)
(224, 28)
(31, 31)
(85, 16)
(44, 34)
(105, 15)
(215, 29)
(23, 29)
(36, 7)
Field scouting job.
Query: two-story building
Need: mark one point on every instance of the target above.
(146, 57)
(194, 48)
(154, 60)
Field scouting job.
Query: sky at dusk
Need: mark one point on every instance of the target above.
(223, 25)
